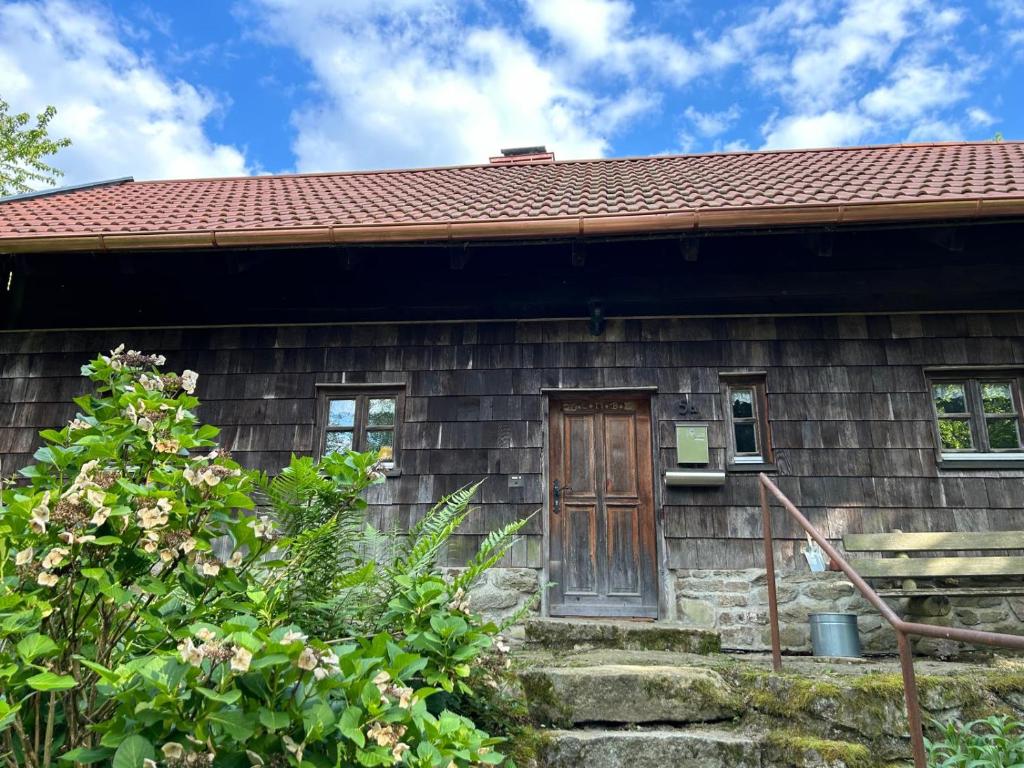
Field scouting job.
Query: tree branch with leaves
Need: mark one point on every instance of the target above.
(24, 149)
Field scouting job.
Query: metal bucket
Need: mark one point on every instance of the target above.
(835, 634)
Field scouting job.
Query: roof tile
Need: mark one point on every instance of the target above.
(551, 190)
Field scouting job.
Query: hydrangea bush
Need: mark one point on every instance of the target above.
(141, 614)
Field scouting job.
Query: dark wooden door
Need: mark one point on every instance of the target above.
(602, 551)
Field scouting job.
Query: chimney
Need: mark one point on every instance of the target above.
(523, 156)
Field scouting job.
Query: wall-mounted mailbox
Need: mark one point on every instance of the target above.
(692, 443)
(698, 477)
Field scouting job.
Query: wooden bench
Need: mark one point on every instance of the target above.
(904, 568)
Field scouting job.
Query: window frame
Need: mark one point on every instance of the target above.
(361, 394)
(765, 456)
(981, 451)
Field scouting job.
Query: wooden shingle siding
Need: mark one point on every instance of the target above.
(848, 404)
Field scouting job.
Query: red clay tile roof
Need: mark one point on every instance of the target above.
(567, 198)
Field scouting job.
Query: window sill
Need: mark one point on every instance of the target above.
(981, 461)
(751, 466)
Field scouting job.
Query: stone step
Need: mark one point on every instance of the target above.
(698, 747)
(584, 634)
(655, 748)
(627, 693)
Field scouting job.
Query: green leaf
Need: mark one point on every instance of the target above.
(242, 621)
(86, 756)
(269, 660)
(152, 587)
(228, 697)
(236, 724)
(237, 500)
(348, 726)
(47, 681)
(105, 541)
(317, 719)
(133, 752)
(109, 675)
(247, 640)
(97, 574)
(207, 432)
(273, 721)
(35, 645)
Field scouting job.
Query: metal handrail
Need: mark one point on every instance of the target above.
(901, 627)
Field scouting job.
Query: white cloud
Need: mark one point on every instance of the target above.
(980, 117)
(864, 70)
(936, 130)
(123, 116)
(829, 57)
(406, 83)
(1011, 14)
(600, 33)
(915, 87)
(711, 124)
(826, 129)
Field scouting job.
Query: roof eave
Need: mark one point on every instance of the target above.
(554, 227)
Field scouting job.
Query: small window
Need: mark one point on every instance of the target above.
(746, 416)
(977, 416)
(352, 419)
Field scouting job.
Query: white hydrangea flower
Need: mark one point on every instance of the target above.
(54, 558)
(241, 659)
(100, 516)
(40, 517)
(293, 637)
(151, 517)
(188, 381)
(190, 652)
(173, 750)
(24, 557)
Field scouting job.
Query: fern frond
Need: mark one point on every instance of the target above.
(430, 534)
(492, 549)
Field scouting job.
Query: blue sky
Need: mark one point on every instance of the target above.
(189, 88)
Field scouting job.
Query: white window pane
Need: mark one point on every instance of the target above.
(342, 413)
(338, 442)
(949, 398)
(742, 403)
(382, 412)
(996, 397)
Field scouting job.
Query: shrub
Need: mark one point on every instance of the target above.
(107, 549)
(994, 742)
(144, 621)
(253, 697)
(390, 582)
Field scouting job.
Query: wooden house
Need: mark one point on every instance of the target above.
(616, 347)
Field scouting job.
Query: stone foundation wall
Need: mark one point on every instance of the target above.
(735, 604)
(504, 591)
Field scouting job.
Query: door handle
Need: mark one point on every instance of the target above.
(556, 495)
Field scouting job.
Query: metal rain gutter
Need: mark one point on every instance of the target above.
(555, 227)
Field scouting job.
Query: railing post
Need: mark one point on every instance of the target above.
(913, 707)
(769, 564)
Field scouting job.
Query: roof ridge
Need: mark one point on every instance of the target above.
(578, 161)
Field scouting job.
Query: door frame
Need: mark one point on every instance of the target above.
(662, 578)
